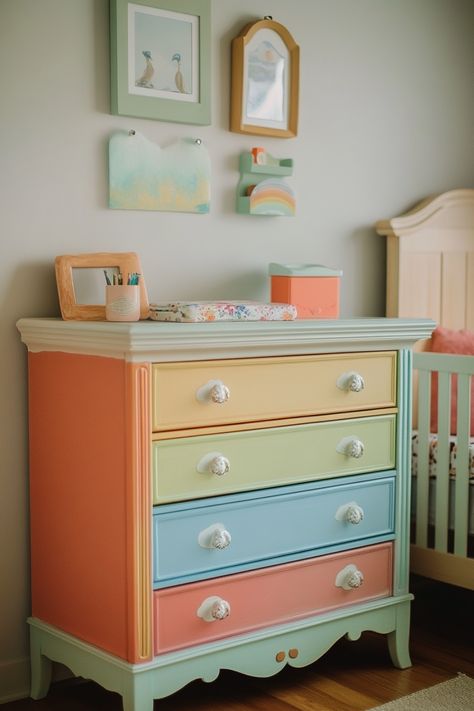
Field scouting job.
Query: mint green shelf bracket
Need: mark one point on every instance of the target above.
(262, 189)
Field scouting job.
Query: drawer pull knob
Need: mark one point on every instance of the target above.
(351, 512)
(351, 382)
(214, 463)
(213, 608)
(351, 446)
(215, 537)
(349, 578)
(219, 466)
(220, 610)
(214, 391)
(354, 514)
(220, 393)
(221, 539)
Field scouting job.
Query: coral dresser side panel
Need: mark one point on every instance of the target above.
(78, 496)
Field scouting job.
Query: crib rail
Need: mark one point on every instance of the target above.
(446, 366)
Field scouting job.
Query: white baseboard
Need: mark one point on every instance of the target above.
(14, 680)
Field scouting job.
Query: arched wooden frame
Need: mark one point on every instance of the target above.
(286, 128)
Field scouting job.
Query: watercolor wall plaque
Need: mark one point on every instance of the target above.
(144, 176)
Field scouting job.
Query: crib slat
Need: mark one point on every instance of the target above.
(442, 467)
(461, 502)
(423, 480)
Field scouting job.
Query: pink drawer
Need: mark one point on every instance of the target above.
(270, 596)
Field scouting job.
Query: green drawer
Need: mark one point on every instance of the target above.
(209, 465)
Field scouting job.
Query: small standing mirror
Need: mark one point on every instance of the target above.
(81, 283)
(88, 284)
(265, 80)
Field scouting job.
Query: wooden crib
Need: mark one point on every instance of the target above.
(430, 273)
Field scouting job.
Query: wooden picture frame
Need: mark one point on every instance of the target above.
(124, 262)
(266, 107)
(160, 59)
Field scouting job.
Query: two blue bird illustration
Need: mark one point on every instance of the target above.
(149, 71)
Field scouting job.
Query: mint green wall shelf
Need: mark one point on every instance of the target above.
(271, 194)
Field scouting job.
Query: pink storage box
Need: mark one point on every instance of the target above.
(312, 288)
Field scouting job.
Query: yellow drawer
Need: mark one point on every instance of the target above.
(220, 392)
(209, 465)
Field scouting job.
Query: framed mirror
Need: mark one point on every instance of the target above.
(81, 282)
(265, 80)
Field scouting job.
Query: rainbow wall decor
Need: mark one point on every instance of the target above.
(272, 197)
(262, 189)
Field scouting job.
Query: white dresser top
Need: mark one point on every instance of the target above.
(151, 340)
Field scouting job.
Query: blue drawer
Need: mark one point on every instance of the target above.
(226, 534)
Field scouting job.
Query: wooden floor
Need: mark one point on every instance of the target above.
(352, 676)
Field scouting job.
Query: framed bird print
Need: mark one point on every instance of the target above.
(265, 80)
(160, 59)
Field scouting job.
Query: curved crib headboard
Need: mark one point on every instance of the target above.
(430, 260)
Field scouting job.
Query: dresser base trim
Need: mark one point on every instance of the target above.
(262, 653)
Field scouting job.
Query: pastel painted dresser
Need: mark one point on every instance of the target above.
(215, 496)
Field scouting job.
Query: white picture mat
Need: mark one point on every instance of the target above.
(163, 33)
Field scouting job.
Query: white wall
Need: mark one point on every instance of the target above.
(386, 118)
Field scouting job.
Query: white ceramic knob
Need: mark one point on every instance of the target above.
(355, 449)
(215, 537)
(354, 514)
(213, 391)
(220, 393)
(352, 382)
(213, 463)
(221, 539)
(349, 578)
(351, 446)
(219, 466)
(220, 610)
(350, 513)
(213, 608)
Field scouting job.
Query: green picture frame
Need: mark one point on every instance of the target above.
(160, 60)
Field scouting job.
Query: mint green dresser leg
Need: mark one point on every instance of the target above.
(41, 667)
(398, 640)
(138, 693)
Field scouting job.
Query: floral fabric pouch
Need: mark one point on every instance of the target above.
(181, 311)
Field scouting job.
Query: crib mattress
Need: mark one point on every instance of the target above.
(433, 456)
